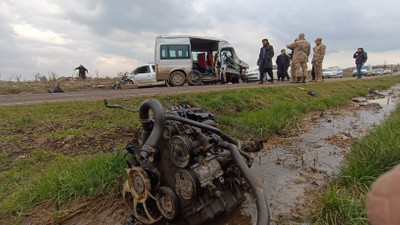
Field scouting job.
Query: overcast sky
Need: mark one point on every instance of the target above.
(107, 37)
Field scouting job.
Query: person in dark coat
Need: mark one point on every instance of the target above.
(283, 63)
(264, 61)
(361, 57)
(82, 71)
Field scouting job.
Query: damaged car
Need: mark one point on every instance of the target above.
(181, 59)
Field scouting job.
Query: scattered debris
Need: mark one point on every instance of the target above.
(347, 134)
(301, 88)
(252, 146)
(57, 89)
(359, 99)
(375, 92)
(312, 93)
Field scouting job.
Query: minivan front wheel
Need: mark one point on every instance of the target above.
(177, 78)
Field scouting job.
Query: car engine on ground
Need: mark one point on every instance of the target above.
(182, 168)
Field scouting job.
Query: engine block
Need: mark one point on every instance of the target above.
(186, 175)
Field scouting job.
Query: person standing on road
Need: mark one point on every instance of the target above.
(318, 58)
(292, 68)
(82, 71)
(361, 57)
(264, 61)
(301, 49)
(283, 63)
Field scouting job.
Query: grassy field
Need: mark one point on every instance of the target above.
(62, 151)
(344, 200)
(66, 84)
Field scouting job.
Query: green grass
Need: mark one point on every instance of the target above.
(65, 178)
(341, 207)
(376, 153)
(22, 171)
(344, 200)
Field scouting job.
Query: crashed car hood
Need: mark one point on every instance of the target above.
(242, 64)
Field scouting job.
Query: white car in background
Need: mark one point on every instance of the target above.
(332, 72)
(377, 71)
(254, 75)
(387, 71)
(144, 76)
(366, 70)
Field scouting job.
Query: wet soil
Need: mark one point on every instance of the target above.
(102, 210)
(291, 170)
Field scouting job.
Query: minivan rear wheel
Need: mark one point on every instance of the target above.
(177, 78)
(195, 77)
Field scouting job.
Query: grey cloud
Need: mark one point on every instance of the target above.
(134, 16)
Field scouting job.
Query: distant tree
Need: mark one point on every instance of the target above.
(52, 76)
(16, 77)
(36, 76)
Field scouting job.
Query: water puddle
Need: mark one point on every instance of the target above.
(292, 167)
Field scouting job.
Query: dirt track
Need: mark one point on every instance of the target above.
(28, 98)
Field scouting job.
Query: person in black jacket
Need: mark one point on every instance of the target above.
(264, 61)
(82, 71)
(361, 57)
(283, 63)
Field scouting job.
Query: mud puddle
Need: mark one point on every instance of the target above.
(290, 168)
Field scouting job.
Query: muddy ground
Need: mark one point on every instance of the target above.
(292, 169)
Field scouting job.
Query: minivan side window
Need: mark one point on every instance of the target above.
(175, 52)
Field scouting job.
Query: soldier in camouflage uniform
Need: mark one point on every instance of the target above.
(318, 58)
(301, 52)
(292, 69)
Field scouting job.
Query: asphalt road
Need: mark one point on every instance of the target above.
(28, 98)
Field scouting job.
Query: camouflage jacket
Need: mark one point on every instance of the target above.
(319, 53)
(301, 50)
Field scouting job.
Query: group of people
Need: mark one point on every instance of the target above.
(298, 59)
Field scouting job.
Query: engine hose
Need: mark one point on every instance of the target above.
(209, 128)
(156, 128)
(262, 205)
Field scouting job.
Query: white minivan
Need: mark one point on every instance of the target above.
(196, 60)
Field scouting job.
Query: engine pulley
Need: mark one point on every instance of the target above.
(139, 183)
(137, 196)
(167, 202)
(180, 150)
(186, 184)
